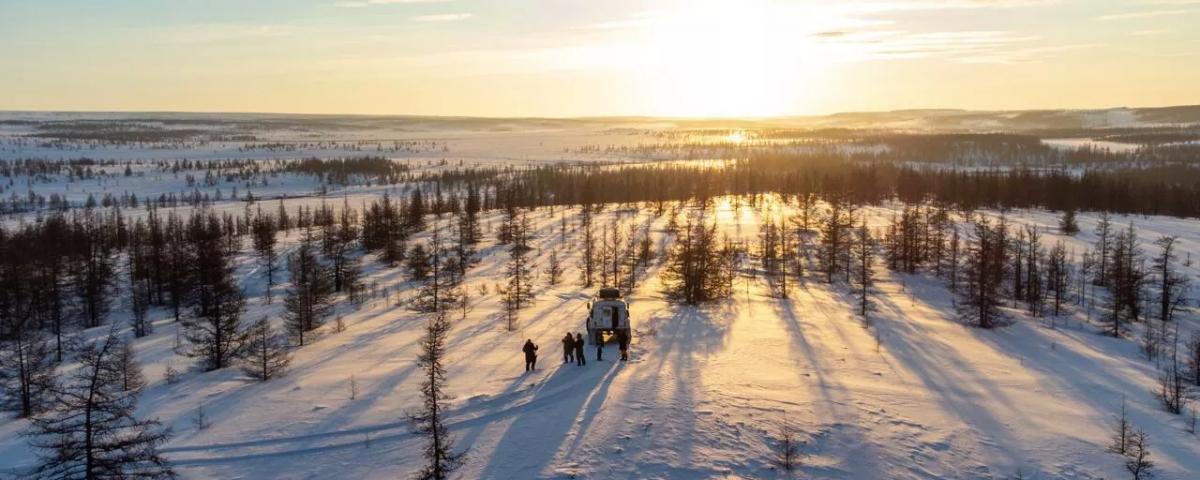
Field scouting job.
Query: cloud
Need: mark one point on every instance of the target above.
(1145, 14)
(368, 3)
(442, 17)
(900, 5)
(972, 46)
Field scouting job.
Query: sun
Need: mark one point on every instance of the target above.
(722, 59)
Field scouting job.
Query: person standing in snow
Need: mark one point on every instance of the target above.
(623, 342)
(568, 348)
(530, 355)
(599, 347)
(579, 360)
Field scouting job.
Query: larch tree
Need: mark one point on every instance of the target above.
(132, 379)
(1104, 240)
(518, 294)
(27, 371)
(983, 273)
(1058, 275)
(864, 278)
(587, 248)
(267, 354)
(441, 457)
(310, 299)
(214, 328)
(92, 432)
(263, 231)
(439, 289)
(697, 270)
(1172, 286)
(1068, 225)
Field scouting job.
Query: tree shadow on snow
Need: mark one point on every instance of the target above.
(557, 405)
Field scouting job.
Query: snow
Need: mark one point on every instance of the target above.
(919, 395)
(1077, 143)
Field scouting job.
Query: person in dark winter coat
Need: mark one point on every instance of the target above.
(623, 342)
(599, 347)
(568, 348)
(579, 360)
(530, 355)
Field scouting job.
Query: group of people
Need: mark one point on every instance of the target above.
(573, 349)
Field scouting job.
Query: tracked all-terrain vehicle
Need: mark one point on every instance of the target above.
(607, 313)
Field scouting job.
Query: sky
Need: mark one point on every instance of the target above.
(572, 58)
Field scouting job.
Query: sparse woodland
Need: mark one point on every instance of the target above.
(828, 219)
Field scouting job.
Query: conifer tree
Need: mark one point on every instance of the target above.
(417, 259)
(27, 371)
(440, 454)
(554, 269)
(1104, 238)
(864, 278)
(439, 290)
(132, 379)
(983, 273)
(337, 241)
(519, 292)
(1058, 275)
(264, 233)
(587, 248)
(697, 269)
(310, 299)
(92, 433)
(93, 269)
(414, 215)
(1068, 225)
(215, 327)
(267, 354)
(1172, 286)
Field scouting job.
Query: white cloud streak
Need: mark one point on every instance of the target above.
(442, 17)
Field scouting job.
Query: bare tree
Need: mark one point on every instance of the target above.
(1138, 457)
(1174, 390)
(1172, 285)
(1121, 431)
(787, 448)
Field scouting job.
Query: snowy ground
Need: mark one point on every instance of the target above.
(704, 395)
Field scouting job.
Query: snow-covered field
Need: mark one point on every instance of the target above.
(919, 395)
(704, 394)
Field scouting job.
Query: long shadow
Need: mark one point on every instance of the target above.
(785, 310)
(836, 411)
(532, 438)
(684, 336)
(1090, 381)
(948, 376)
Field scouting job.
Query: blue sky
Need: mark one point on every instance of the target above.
(577, 57)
